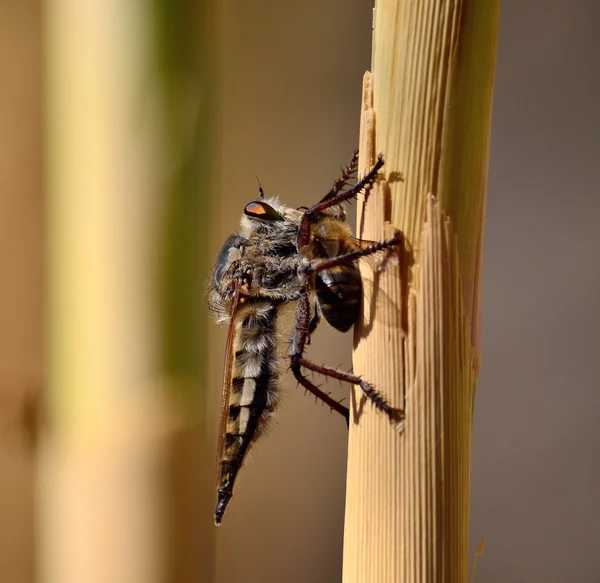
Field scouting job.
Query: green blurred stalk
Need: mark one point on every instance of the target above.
(184, 65)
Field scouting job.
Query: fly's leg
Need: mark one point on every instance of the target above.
(353, 255)
(312, 388)
(264, 280)
(365, 182)
(396, 416)
(346, 175)
(297, 343)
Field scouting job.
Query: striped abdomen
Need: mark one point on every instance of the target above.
(252, 392)
(339, 291)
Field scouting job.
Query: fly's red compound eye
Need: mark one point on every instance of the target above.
(263, 211)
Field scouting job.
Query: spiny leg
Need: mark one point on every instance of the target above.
(297, 344)
(346, 174)
(353, 255)
(327, 399)
(365, 182)
(395, 415)
(296, 351)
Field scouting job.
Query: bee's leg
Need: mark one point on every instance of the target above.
(313, 323)
(395, 415)
(297, 343)
(365, 182)
(353, 255)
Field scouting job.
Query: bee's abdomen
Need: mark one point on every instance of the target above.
(338, 291)
(253, 391)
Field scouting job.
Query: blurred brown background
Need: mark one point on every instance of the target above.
(276, 89)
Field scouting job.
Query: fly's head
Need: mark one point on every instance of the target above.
(271, 230)
(259, 260)
(270, 219)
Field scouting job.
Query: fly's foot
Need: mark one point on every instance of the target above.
(393, 248)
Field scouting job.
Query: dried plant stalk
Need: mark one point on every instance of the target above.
(407, 508)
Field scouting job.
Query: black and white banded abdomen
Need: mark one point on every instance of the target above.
(253, 391)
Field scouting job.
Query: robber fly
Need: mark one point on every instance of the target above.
(284, 255)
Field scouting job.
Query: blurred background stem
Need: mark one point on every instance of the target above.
(128, 139)
(22, 292)
(184, 42)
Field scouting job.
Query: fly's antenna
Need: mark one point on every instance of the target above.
(260, 190)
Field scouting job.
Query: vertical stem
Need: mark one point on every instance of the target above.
(184, 43)
(99, 495)
(22, 297)
(427, 107)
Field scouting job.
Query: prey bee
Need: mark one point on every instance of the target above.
(283, 255)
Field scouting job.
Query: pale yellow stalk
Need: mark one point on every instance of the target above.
(99, 500)
(427, 108)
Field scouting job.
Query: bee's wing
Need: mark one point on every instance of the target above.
(379, 297)
(227, 372)
(378, 304)
(380, 259)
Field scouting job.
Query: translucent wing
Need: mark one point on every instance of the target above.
(378, 295)
(227, 371)
(380, 259)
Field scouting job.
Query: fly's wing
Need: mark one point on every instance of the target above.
(227, 372)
